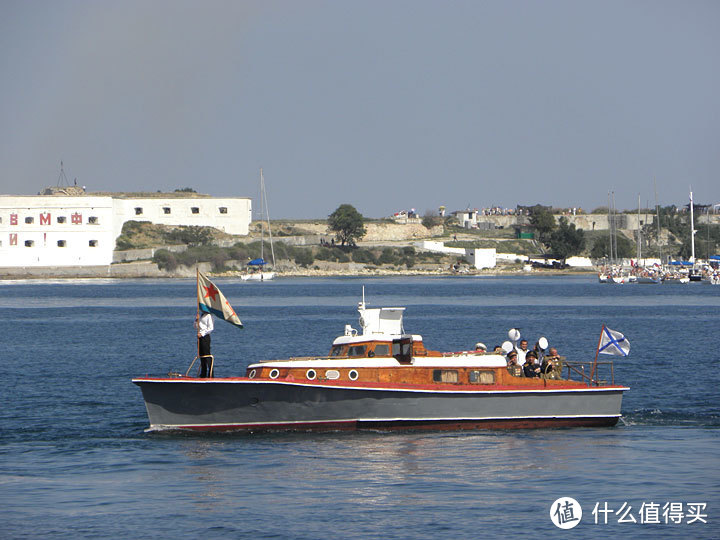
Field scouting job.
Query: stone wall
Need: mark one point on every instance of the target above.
(379, 232)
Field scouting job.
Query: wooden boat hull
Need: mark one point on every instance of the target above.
(251, 405)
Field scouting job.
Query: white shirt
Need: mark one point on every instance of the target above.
(205, 325)
(521, 356)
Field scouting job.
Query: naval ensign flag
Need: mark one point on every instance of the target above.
(211, 300)
(613, 342)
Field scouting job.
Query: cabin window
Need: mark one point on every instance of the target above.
(93, 243)
(166, 209)
(482, 377)
(138, 211)
(61, 243)
(61, 219)
(357, 350)
(336, 350)
(29, 243)
(195, 210)
(382, 350)
(93, 220)
(223, 209)
(353, 375)
(445, 375)
(29, 219)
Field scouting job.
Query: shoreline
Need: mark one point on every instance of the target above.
(150, 270)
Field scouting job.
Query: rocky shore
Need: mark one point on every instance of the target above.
(151, 270)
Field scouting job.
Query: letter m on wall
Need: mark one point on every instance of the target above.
(45, 218)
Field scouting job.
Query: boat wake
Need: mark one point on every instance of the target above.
(670, 417)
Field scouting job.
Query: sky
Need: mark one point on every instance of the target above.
(386, 105)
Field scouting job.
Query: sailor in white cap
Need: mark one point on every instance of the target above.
(480, 348)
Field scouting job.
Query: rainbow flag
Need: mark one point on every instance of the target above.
(211, 300)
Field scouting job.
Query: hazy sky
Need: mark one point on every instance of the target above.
(386, 105)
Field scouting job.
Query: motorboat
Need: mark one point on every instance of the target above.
(382, 378)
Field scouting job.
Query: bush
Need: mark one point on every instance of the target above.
(192, 236)
(165, 260)
(388, 256)
(304, 258)
(363, 256)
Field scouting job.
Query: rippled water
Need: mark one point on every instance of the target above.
(76, 461)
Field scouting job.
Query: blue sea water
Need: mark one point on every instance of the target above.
(76, 462)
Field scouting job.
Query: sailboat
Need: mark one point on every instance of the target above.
(256, 267)
(644, 276)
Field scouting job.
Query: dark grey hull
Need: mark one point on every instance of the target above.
(216, 404)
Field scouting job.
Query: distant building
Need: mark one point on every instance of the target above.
(80, 230)
(468, 218)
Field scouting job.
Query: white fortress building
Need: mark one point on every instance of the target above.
(81, 229)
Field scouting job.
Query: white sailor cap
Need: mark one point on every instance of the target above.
(481, 346)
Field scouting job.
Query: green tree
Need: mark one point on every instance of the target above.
(543, 221)
(601, 247)
(347, 223)
(566, 240)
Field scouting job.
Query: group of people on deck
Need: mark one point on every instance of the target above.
(522, 362)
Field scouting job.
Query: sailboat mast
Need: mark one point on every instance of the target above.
(262, 221)
(615, 253)
(610, 230)
(657, 213)
(267, 216)
(639, 247)
(692, 230)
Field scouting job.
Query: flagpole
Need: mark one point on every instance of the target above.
(197, 308)
(597, 352)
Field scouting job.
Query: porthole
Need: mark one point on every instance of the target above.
(274, 373)
(310, 374)
(332, 374)
(252, 374)
(353, 375)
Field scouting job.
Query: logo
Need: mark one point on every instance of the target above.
(565, 512)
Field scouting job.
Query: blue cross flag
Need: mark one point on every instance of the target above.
(613, 342)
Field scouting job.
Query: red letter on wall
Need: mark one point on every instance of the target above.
(76, 219)
(45, 218)
(13, 239)
(13, 219)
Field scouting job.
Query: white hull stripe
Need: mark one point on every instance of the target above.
(392, 389)
(361, 420)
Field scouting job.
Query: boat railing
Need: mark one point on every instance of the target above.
(589, 372)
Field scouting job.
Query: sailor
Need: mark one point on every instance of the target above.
(522, 351)
(204, 326)
(480, 348)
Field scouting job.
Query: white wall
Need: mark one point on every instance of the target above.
(81, 231)
(481, 258)
(84, 238)
(236, 219)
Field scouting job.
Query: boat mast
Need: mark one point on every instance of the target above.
(639, 247)
(657, 213)
(614, 229)
(267, 215)
(610, 226)
(262, 221)
(692, 230)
